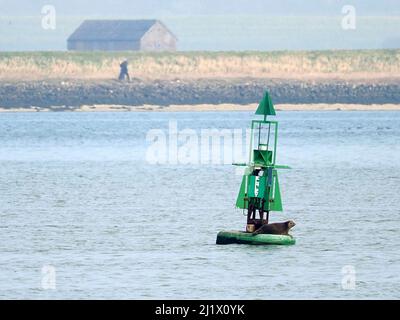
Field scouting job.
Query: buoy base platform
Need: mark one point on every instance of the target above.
(241, 237)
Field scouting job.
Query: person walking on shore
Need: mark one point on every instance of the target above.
(124, 71)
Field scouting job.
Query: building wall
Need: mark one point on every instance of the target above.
(158, 38)
(103, 46)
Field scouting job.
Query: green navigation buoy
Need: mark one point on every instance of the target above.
(259, 191)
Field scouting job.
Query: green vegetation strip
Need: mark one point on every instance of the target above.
(106, 64)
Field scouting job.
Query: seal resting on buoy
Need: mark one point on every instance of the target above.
(275, 228)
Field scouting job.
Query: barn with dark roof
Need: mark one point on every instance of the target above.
(122, 35)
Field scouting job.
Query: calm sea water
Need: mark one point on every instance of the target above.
(84, 212)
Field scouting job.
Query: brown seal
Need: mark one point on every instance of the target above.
(275, 228)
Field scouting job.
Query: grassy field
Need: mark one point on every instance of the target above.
(280, 64)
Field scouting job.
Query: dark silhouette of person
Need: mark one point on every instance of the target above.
(124, 71)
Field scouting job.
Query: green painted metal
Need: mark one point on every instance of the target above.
(262, 166)
(282, 167)
(257, 186)
(240, 201)
(272, 128)
(262, 157)
(240, 237)
(275, 194)
(266, 107)
(259, 191)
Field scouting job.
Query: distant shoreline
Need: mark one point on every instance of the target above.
(69, 80)
(59, 95)
(210, 108)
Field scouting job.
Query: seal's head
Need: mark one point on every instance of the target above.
(290, 224)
